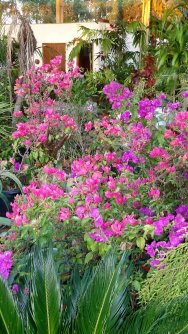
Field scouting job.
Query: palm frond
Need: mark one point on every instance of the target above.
(97, 307)
(10, 318)
(45, 294)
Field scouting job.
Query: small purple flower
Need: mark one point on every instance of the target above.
(98, 222)
(94, 212)
(15, 289)
(154, 263)
(146, 211)
(185, 94)
(26, 291)
(125, 116)
(179, 220)
(160, 224)
(156, 102)
(116, 105)
(174, 239)
(130, 155)
(90, 108)
(151, 249)
(6, 263)
(101, 235)
(162, 96)
(183, 210)
(17, 165)
(174, 106)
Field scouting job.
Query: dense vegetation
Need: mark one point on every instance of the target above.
(96, 239)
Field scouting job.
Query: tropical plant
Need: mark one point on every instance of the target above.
(113, 42)
(171, 51)
(97, 303)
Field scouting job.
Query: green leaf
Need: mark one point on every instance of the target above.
(141, 243)
(136, 285)
(98, 303)
(148, 229)
(1, 186)
(162, 60)
(45, 294)
(5, 200)
(10, 319)
(5, 221)
(88, 257)
(12, 177)
(160, 318)
(174, 59)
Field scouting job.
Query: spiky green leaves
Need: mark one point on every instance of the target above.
(45, 294)
(10, 318)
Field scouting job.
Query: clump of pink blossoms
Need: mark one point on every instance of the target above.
(44, 116)
(6, 263)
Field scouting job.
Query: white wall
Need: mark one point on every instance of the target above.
(60, 33)
(65, 33)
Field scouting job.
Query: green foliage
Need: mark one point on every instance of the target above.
(5, 120)
(97, 303)
(10, 318)
(4, 176)
(171, 50)
(39, 11)
(91, 86)
(113, 43)
(105, 302)
(170, 282)
(45, 294)
(9, 73)
(94, 304)
(5, 221)
(157, 318)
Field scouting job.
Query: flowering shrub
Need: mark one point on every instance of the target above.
(44, 124)
(132, 191)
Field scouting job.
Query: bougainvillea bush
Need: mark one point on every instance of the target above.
(131, 193)
(46, 121)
